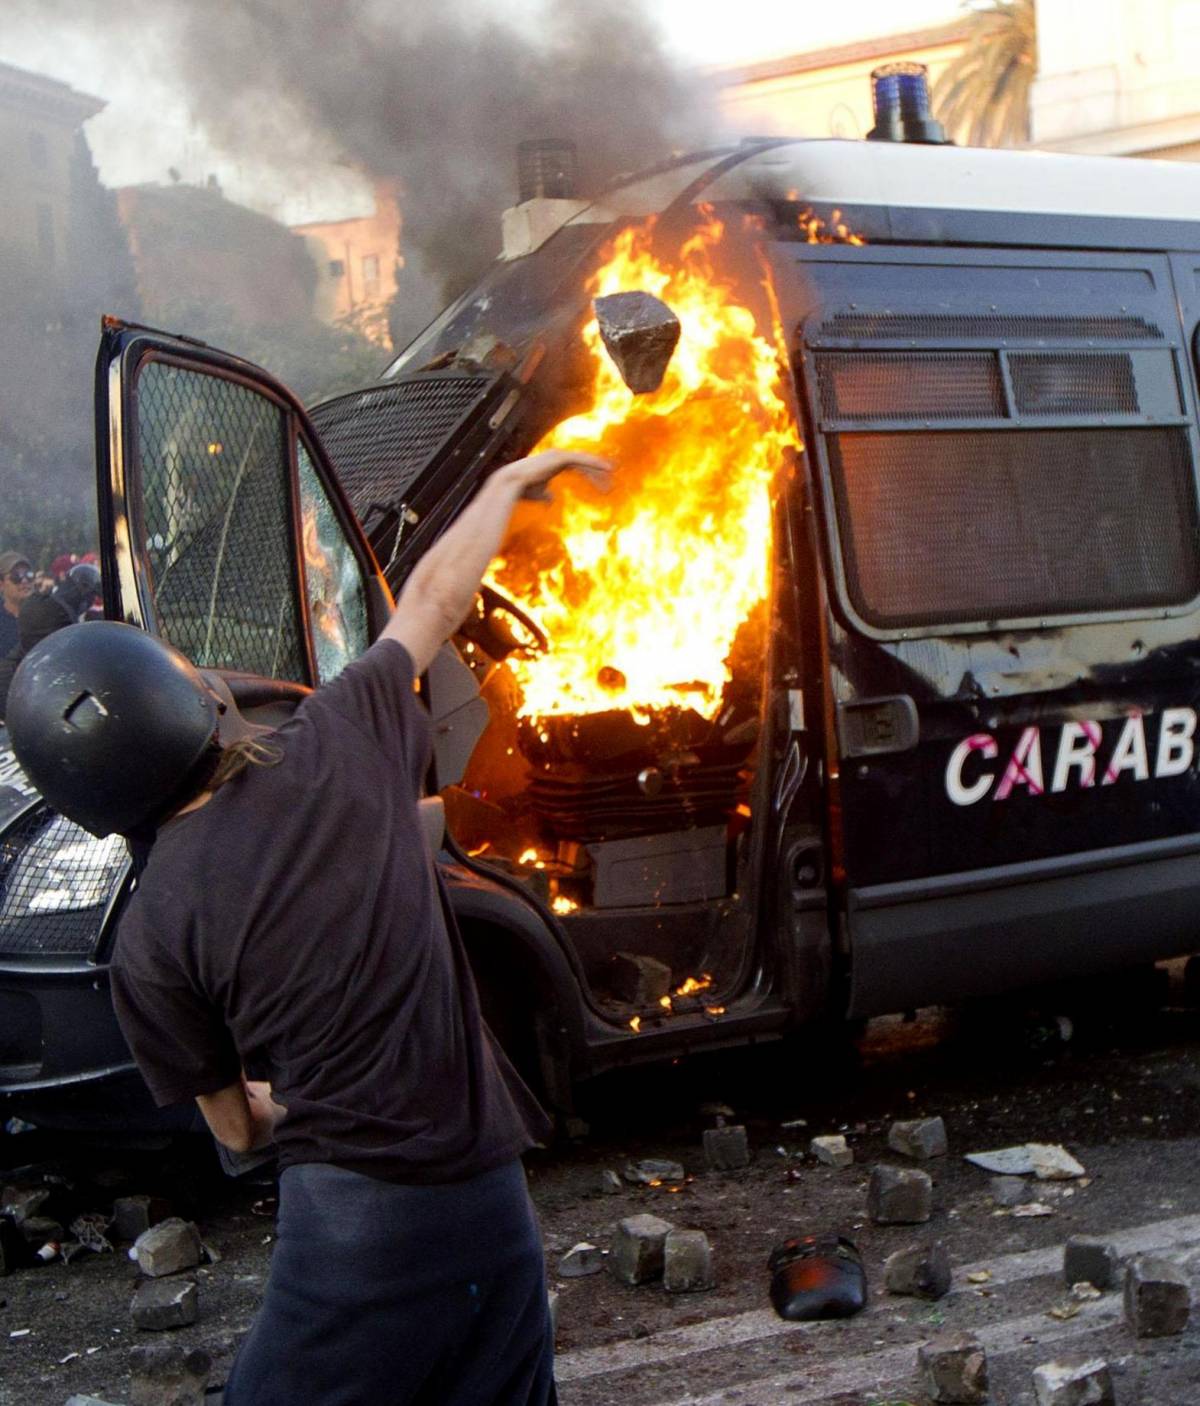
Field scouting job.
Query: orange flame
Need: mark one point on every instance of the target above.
(819, 231)
(644, 597)
(692, 984)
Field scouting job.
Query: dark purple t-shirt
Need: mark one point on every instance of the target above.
(296, 924)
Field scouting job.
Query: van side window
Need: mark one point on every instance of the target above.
(337, 606)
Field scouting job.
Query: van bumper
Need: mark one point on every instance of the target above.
(932, 941)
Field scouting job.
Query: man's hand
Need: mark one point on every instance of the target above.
(441, 588)
(242, 1116)
(530, 476)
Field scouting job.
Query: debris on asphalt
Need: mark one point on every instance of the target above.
(1032, 1209)
(86, 1400)
(637, 1251)
(1046, 1161)
(580, 1261)
(22, 1202)
(816, 1277)
(832, 1150)
(979, 1276)
(1092, 1261)
(687, 1262)
(1064, 1311)
(640, 333)
(919, 1138)
(1053, 1163)
(1158, 1297)
(1074, 1384)
(165, 1303)
(920, 1271)
(552, 1303)
(954, 1369)
(639, 980)
(726, 1149)
(899, 1195)
(1083, 1291)
(174, 1375)
(134, 1215)
(610, 1183)
(90, 1230)
(653, 1171)
(167, 1248)
(1010, 1191)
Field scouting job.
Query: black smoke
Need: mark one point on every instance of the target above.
(430, 97)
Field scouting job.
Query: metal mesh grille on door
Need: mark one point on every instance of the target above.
(984, 525)
(216, 494)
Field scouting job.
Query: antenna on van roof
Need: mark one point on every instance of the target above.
(900, 97)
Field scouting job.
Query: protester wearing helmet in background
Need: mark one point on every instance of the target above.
(16, 585)
(289, 918)
(41, 614)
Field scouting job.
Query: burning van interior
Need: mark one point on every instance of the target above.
(620, 644)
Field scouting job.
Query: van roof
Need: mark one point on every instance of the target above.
(857, 174)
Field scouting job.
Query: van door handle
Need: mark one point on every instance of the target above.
(871, 726)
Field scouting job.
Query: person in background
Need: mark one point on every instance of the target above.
(16, 586)
(41, 614)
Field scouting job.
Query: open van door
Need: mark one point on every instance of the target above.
(222, 527)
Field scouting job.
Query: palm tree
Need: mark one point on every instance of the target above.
(982, 97)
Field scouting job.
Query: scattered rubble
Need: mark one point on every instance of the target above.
(899, 1196)
(90, 1230)
(168, 1376)
(1046, 1161)
(167, 1248)
(580, 1261)
(610, 1183)
(1074, 1384)
(919, 1138)
(726, 1149)
(1158, 1297)
(1032, 1209)
(920, 1271)
(954, 1369)
(638, 1248)
(165, 1303)
(687, 1262)
(653, 1171)
(1011, 1191)
(642, 981)
(640, 333)
(832, 1150)
(87, 1401)
(1091, 1261)
(134, 1215)
(22, 1202)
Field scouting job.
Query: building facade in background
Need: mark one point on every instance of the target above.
(1118, 77)
(825, 93)
(40, 119)
(195, 252)
(357, 262)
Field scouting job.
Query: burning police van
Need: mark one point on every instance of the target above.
(872, 684)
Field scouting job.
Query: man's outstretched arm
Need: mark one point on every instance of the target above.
(441, 589)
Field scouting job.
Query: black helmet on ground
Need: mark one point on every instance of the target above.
(114, 727)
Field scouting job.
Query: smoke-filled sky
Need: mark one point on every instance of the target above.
(127, 54)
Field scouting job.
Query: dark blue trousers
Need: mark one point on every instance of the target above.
(386, 1295)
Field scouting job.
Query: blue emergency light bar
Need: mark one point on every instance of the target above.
(900, 98)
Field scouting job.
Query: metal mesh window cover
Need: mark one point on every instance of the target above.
(380, 441)
(56, 881)
(921, 326)
(1004, 524)
(1079, 383)
(216, 501)
(911, 385)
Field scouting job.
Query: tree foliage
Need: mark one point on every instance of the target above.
(982, 97)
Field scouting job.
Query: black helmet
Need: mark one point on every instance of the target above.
(80, 588)
(110, 724)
